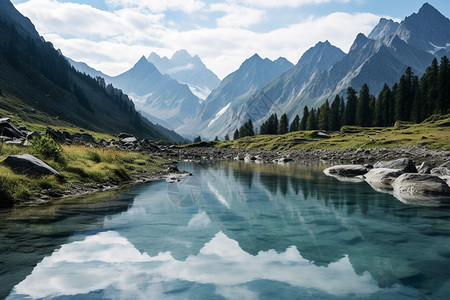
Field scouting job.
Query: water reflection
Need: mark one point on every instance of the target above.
(256, 231)
(108, 262)
(28, 234)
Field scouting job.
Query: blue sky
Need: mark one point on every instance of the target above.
(111, 35)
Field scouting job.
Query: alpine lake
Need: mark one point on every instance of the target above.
(233, 230)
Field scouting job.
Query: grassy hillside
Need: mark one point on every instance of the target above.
(78, 164)
(432, 133)
(39, 87)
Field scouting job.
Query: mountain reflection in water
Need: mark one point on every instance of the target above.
(255, 231)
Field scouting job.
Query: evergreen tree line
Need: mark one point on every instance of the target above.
(411, 99)
(244, 130)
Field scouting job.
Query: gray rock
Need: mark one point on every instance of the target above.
(124, 135)
(8, 129)
(129, 140)
(284, 160)
(33, 134)
(239, 157)
(442, 170)
(404, 164)
(5, 138)
(422, 189)
(346, 170)
(57, 135)
(381, 179)
(30, 165)
(17, 142)
(249, 158)
(425, 168)
(323, 134)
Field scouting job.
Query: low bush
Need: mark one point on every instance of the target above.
(47, 147)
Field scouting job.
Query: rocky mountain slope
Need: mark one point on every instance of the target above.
(381, 58)
(189, 70)
(236, 87)
(43, 83)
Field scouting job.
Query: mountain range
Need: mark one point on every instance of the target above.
(170, 91)
(189, 70)
(160, 97)
(38, 84)
(325, 71)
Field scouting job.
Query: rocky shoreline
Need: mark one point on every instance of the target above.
(417, 154)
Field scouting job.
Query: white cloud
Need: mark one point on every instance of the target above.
(236, 15)
(286, 3)
(187, 6)
(112, 41)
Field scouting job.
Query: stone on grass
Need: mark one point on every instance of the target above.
(30, 165)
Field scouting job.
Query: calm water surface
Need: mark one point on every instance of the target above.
(232, 231)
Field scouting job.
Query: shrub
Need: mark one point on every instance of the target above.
(46, 146)
(94, 156)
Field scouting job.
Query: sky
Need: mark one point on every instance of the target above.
(111, 35)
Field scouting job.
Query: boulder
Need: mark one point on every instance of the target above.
(404, 164)
(381, 179)
(285, 160)
(346, 170)
(239, 157)
(422, 189)
(30, 165)
(131, 139)
(124, 135)
(442, 170)
(33, 134)
(425, 168)
(8, 129)
(57, 135)
(249, 158)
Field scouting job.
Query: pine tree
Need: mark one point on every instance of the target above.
(341, 112)
(350, 107)
(311, 123)
(324, 116)
(371, 110)
(362, 107)
(236, 134)
(227, 137)
(283, 125)
(197, 139)
(216, 139)
(304, 118)
(381, 113)
(295, 125)
(335, 117)
(443, 98)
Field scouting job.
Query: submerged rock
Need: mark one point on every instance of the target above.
(404, 164)
(422, 189)
(30, 165)
(381, 179)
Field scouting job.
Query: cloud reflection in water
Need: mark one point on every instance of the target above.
(108, 261)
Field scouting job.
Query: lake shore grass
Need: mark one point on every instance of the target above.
(433, 133)
(80, 165)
